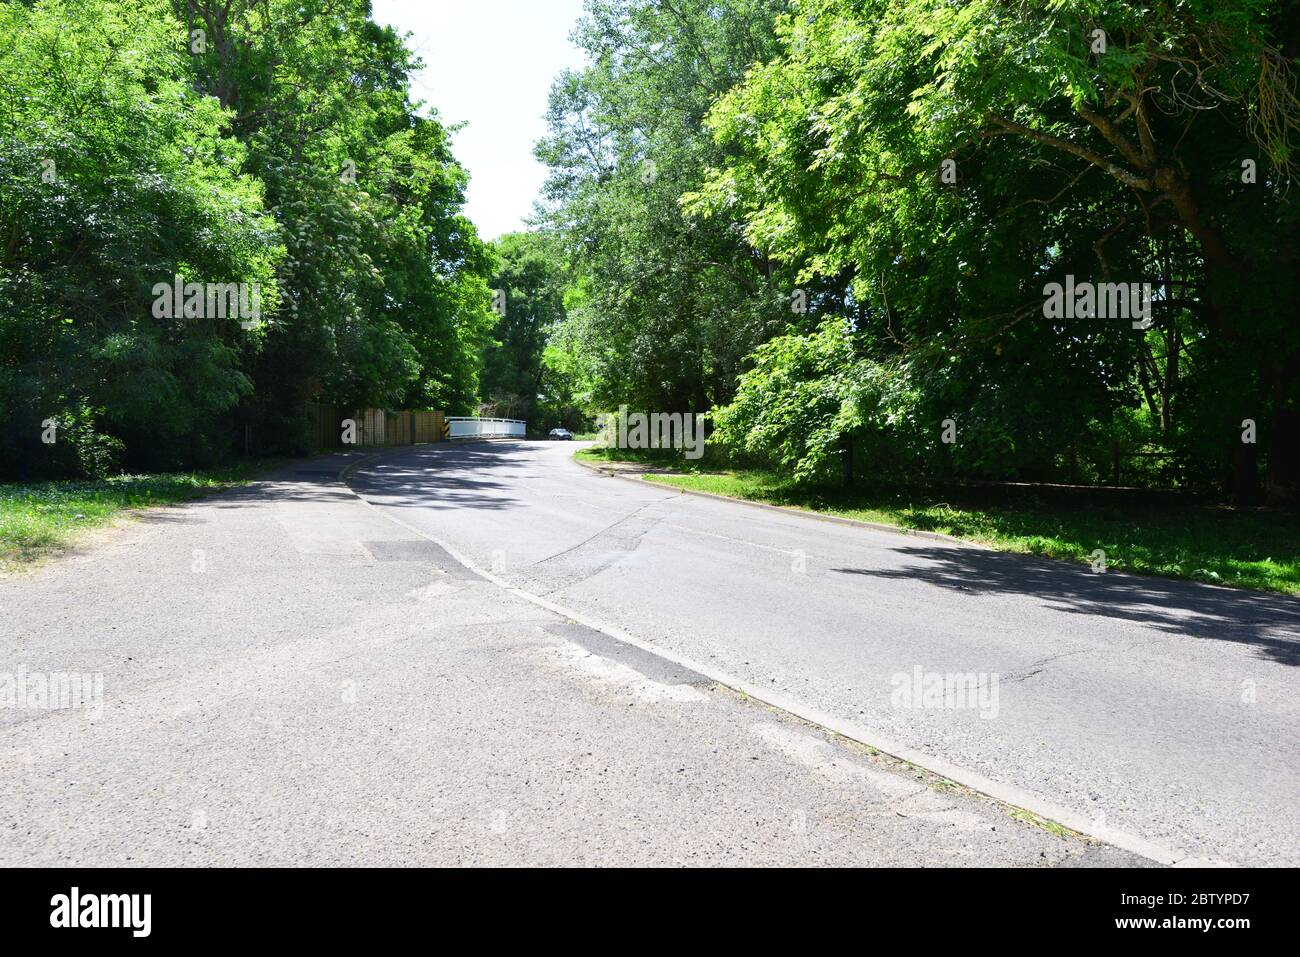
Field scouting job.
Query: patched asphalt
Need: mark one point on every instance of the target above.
(292, 679)
(1164, 709)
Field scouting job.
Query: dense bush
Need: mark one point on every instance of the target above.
(268, 144)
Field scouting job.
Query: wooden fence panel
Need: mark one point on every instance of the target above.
(399, 429)
(374, 427)
(428, 426)
(324, 430)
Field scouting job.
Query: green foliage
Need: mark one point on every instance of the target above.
(115, 175)
(669, 306)
(831, 222)
(799, 403)
(97, 454)
(1114, 164)
(525, 376)
(259, 142)
(384, 279)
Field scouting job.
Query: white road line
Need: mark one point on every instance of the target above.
(1075, 820)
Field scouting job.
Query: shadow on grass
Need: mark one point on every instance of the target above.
(40, 519)
(1255, 548)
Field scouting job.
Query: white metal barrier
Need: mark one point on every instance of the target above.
(469, 428)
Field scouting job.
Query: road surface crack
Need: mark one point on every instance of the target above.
(603, 531)
(1038, 667)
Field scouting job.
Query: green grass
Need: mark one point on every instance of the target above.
(1249, 548)
(42, 518)
(667, 459)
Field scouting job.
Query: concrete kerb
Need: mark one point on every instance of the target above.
(1006, 794)
(790, 510)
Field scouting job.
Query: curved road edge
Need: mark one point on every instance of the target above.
(788, 510)
(1007, 794)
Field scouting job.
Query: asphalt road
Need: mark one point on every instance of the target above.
(1165, 710)
(290, 678)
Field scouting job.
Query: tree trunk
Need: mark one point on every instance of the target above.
(1245, 474)
(1282, 480)
(1173, 346)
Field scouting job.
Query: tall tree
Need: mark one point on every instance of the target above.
(530, 283)
(672, 305)
(956, 158)
(385, 280)
(116, 176)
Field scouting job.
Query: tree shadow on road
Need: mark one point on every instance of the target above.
(446, 478)
(1269, 623)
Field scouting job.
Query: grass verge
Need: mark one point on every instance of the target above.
(1247, 548)
(40, 519)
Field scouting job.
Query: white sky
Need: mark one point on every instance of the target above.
(491, 63)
